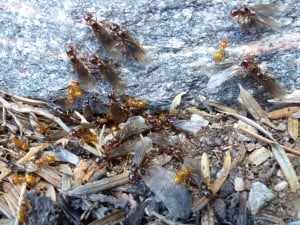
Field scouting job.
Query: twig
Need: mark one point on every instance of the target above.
(151, 212)
(30, 109)
(268, 141)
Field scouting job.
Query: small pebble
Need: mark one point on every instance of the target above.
(239, 184)
(226, 189)
(281, 186)
(259, 195)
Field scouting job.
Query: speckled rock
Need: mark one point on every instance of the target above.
(259, 195)
(180, 37)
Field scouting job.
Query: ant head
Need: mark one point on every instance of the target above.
(115, 27)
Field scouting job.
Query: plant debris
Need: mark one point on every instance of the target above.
(109, 158)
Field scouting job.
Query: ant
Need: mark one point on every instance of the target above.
(87, 81)
(19, 179)
(108, 72)
(269, 83)
(219, 55)
(45, 160)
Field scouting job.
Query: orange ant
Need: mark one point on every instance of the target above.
(74, 92)
(19, 179)
(45, 160)
(183, 175)
(21, 144)
(219, 55)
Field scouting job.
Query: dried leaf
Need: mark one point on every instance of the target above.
(293, 127)
(176, 102)
(284, 112)
(217, 184)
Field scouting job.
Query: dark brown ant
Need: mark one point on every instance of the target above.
(102, 34)
(130, 46)
(108, 72)
(269, 83)
(87, 81)
(255, 16)
(246, 66)
(116, 41)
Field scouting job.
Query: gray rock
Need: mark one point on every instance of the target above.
(259, 195)
(173, 196)
(180, 37)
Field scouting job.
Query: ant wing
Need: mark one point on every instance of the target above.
(270, 85)
(135, 49)
(220, 77)
(268, 22)
(113, 77)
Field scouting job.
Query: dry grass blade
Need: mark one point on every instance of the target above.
(17, 98)
(286, 167)
(100, 185)
(283, 113)
(252, 106)
(266, 140)
(252, 123)
(30, 109)
(198, 205)
(112, 218)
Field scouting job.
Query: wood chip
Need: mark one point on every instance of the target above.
(101, 185)
(293, 127)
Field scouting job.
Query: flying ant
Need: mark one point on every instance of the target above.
(84, 134)
(130, 46)
(193, 172)
(166, 145)
(116, 41)
(134, 125)
(108, 72)
(269, 83)
(219, 55)
(259, 15)
(87, 81)
(102, 34)
(246, 66)
(156, 121)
